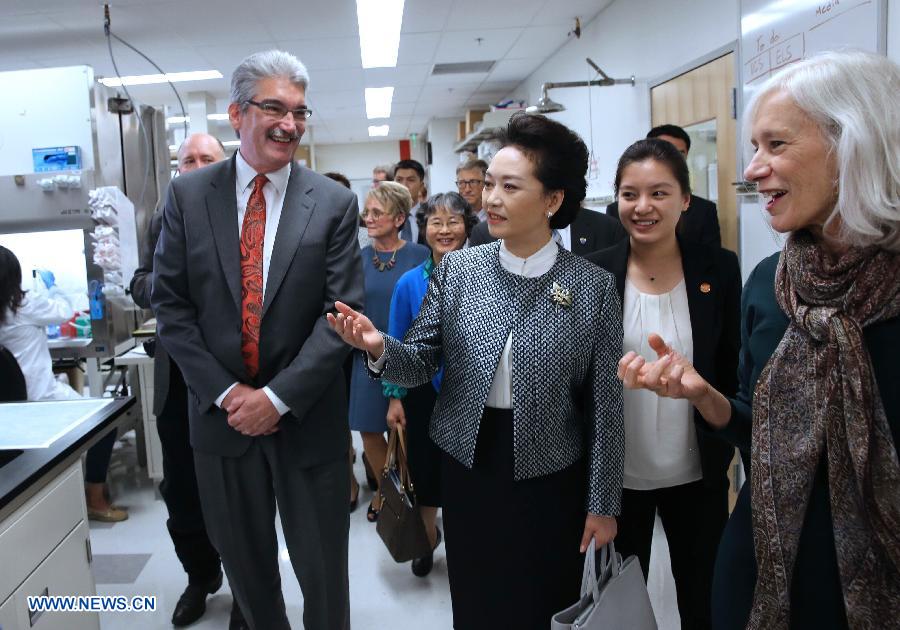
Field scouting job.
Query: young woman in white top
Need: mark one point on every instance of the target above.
(24, 317)
(690, 294)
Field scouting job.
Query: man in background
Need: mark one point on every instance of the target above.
(179, 485)
(383, 173)
(470, 184)
(700, 222)
(411, 174)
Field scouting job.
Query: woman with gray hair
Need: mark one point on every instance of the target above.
(817, 414)
(446, 220)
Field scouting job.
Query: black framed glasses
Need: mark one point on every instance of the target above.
(274, 109)
(468, 183)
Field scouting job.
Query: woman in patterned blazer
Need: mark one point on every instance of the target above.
(529, 417)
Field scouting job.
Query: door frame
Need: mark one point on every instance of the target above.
(733, 46)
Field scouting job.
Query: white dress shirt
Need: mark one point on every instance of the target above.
(563, 236)
(273, 191)
(539, 263)
(660, 438)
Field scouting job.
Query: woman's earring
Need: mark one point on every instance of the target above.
(549, 215)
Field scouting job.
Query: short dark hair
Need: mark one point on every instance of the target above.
(338, 177)
(471, 165)
(671, 130)
(11, 293)
(454, 202)
(413, 164)
(560, 159)
(659, 151)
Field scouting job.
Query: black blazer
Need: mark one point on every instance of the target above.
(712, 277)
(591, 231)
(699, 223)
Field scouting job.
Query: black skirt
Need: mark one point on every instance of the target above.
(424, 456)
(512, 546)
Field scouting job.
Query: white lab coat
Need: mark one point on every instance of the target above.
(25, 335)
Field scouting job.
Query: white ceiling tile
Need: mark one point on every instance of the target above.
(464, 45)
(514, 69)
(417, 48)
(291, 20)
(332, 80)
(564, 13)
(324, 54)
(407, 94)
(538, 41)
(468, 14)
(421, 16)
(401, 76)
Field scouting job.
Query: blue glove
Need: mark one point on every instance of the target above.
(48, 277)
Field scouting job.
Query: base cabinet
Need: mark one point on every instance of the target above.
(47, 545)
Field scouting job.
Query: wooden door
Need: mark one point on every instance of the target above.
(702, 99)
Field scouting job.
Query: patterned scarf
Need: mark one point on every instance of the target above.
(817, 394)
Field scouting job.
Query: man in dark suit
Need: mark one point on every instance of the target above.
(700, 222)
(411, 174)
(591, 231)
(179, 485)
(253, 252)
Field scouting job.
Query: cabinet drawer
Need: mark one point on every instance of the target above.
(65, 572)
(30, 533)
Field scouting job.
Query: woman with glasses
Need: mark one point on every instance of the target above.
(448, 220)
(384, 261)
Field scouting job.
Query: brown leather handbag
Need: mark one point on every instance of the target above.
(399, 523)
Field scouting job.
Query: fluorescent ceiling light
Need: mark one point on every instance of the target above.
(378, 102)
(178, 120)
(379, 31)
(173, 148)
(378, 130)
(173, 77)
(232, 143)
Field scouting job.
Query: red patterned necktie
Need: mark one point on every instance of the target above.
(252, 235)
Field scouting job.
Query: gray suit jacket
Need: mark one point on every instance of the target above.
(567, 399)
(141, 283)
(196, 296)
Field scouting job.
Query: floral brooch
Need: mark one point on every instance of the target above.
(561, 296)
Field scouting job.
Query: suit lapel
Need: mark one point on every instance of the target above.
(221, 206)
(702, 293)
(295, 215)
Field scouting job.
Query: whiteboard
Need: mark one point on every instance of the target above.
(774, 34)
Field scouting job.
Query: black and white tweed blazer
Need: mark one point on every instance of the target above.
(566, 397)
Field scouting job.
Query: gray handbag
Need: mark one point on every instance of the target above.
(613, 598)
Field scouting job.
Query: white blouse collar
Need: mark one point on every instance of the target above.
(535, 265)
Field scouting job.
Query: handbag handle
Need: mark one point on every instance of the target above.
(396, 456)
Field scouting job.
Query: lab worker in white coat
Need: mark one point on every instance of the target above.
(24, 317)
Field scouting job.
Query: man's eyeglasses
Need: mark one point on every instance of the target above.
(274, 109)
(468, 183)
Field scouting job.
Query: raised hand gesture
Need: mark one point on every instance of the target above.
(671, 375)
(357, 330)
